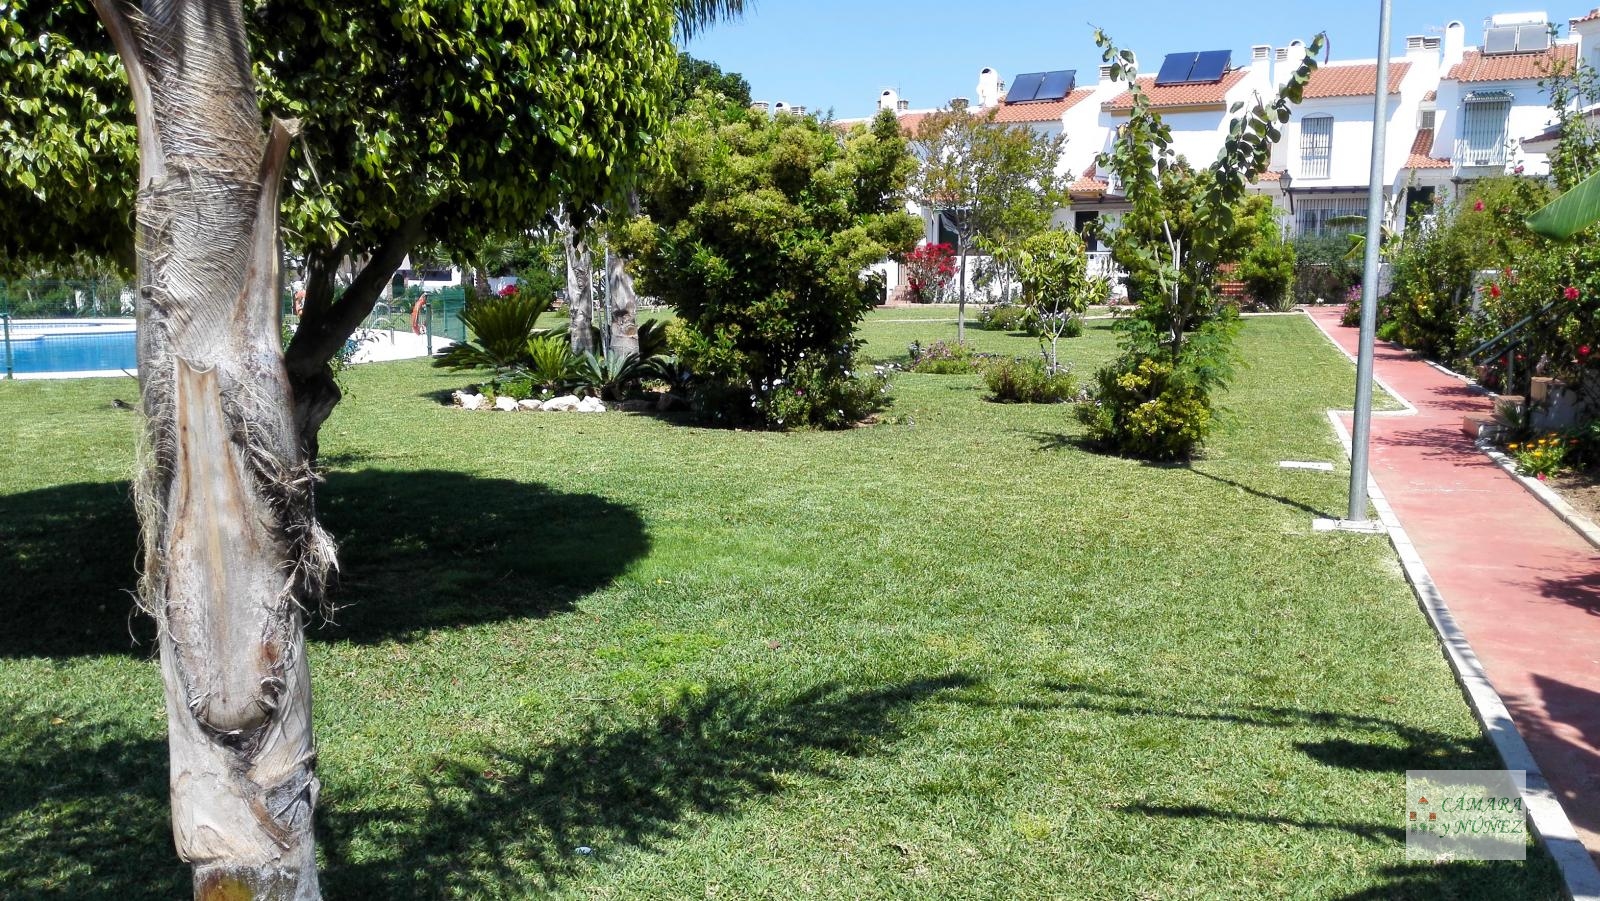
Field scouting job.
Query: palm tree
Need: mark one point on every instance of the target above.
(695, 17)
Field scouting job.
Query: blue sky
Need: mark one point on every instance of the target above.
(840, 54)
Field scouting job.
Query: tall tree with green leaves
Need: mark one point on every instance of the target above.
(1182, 226)
(996, 183)
(393, 122)
(423, 123)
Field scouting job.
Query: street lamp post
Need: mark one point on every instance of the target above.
(1361, 435)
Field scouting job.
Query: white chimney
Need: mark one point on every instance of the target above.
(798, 110)
(958, 103)
(1290, 58)
(1422, 49)
(1261, 59)
(1105, 74)
(780, 107)
(988, 88)
(760, 106)
(901, 106)
(888, 100)
(1455, 44)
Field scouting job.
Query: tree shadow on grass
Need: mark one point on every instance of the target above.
(511, 821)
(1361, 741)
(83, 811)
(418, 551)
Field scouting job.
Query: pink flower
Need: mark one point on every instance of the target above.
(1541, 477)
(1494, 290)
(1477, 207)
(1571, 293)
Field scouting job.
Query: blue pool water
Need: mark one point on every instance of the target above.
(75, 352)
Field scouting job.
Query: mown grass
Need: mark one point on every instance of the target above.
(954, 655)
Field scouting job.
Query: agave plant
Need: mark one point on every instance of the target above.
(652, 339)
(551, 364)
(608, 378)
(500, 328)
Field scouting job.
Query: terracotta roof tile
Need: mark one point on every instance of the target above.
(1353, 81)
(1430, 97)
(1178, 95)
(1041, 111)
(1270, 175)
(1422, 152)
(1089, 183)
(1593, 15)
(1475, 66)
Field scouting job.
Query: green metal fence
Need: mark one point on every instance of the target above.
(103, 298)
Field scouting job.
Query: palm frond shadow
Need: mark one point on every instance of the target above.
(512, 821)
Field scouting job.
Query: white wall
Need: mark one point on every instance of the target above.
(1530, 114)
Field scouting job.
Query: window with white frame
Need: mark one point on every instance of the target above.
(1316, 146)
(1483, 128)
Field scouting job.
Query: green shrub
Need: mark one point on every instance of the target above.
(499, 327)
(1003, 317)
(551, 364)
(818, 396)
(946, 358)
(1015, 381)
(1145, 407)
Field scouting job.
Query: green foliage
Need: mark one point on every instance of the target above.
(422, 122)
(1155, 401)
(1542, 457)
(68, 146)
(1267, 263)
(499, 329)
(817, 396)
(696, 75)
(1324, 269)
(607, 377)
(1437, 271)
(1574, 89)
(550, 363)
(946, 358)
(757, 231)
(1015, 381)
(1056, 287)
(998, 180)
(1003, 317)
(1145, 407)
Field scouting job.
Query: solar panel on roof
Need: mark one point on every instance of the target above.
(1057, 84)
(1500, 40)
(1024, 87)
(1175, 68)
(1533, 37)
(1210, 66)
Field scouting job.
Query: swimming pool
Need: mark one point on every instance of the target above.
(58, 348)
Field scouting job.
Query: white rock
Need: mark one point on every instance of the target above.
(564, 404)
(591, 405)
(471, 401)
(506, 404)
(532, 406)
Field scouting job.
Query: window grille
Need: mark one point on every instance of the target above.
(1316, 146)
(1329, 215)
(1483, 129)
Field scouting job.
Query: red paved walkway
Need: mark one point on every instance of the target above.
(1523, 585)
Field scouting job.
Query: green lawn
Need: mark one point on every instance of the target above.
(954, 655)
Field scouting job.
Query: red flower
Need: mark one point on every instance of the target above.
(508, 291)
(1571, 293)
(1494, 290)
(1583, 350)
(1477, 207)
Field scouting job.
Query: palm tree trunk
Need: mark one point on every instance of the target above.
(622, 297)
(232, 550)
(580, 287)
